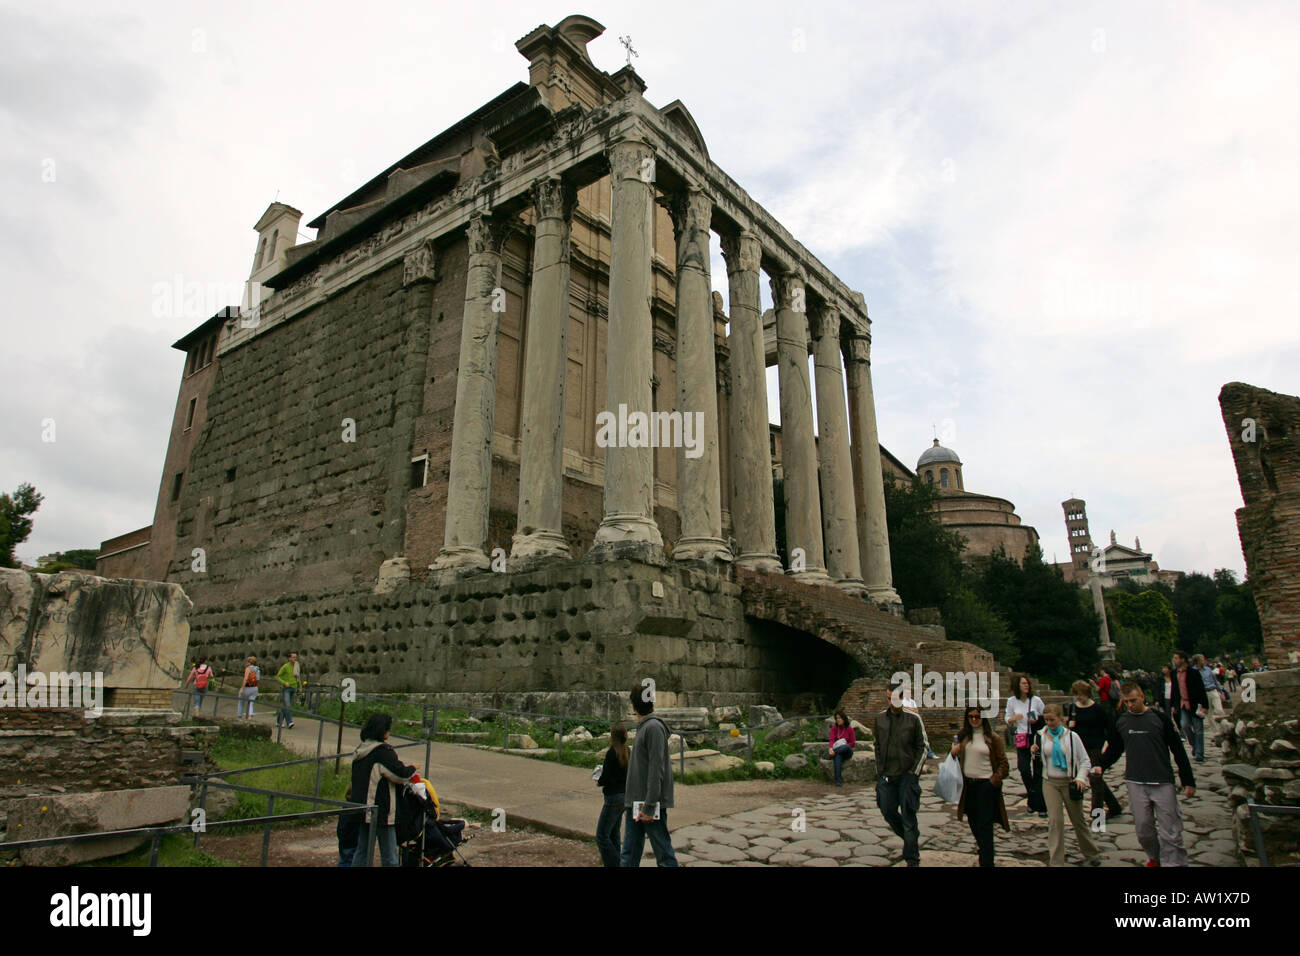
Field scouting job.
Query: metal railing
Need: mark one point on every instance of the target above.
(1256, 811)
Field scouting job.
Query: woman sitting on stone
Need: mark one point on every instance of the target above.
(842, 742)
(984, 765)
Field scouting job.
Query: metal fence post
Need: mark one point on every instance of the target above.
(371, 833)
(428, 746)
(203, 805)
(154, 846)
(343, 706)
(750, 734)
(434, 730)
(266, 832)
(559, 742)
(505, 737)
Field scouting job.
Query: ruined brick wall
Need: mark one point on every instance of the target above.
(126, 556)
(1264, 434)
(276, 497)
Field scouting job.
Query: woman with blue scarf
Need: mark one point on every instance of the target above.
(1065, 781)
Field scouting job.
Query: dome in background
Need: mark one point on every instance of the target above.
(937, 454)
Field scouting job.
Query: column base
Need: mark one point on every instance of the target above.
(627, 538)
(455, 563)
(885, 598)
(816, 576)
(854, 586)
(704, 549)
(529, 551)
(765, 562)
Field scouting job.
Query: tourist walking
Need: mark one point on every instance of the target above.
(612, 777)
(900, 754)
(1187, 700)
(1065, 779)
(1164, 691)
(842, 742)
(248, 688)
(983, 758)
(1148, 737)
(290, 678)
(1213, 689)
(1024, 716)
(377, 773)
(201, 677)
(649, 793)
(1095, 725)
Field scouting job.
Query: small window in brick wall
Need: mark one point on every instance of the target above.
(189, 416)
(419, 471)
(230, 475)
(176, 485)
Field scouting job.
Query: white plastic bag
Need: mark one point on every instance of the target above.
(949, 783)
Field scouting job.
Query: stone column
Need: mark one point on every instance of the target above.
(419, 274)
(628, 530)
(803, 513)
(699, 490)
(868, 480)
(469, 476)
(753, 513)
(839, 513)
(539, 537)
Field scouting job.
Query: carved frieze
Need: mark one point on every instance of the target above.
(420, 264)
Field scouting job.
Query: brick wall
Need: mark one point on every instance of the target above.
(1264, 434)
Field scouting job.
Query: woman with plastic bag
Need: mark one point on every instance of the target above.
(983, 760)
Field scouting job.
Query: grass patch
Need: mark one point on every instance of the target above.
(176, 849)
(233, 753)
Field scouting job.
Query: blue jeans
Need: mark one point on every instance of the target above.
(1193, 731)
(387, 840)
(899, 798)
(841, 754)
(285, 715)
(345, 856)
(198, 698)
(634, 834)
(608, 829)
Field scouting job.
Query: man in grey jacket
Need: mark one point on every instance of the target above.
(649, 793)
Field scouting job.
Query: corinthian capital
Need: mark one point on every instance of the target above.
(742, 252)
(487, 233)
(630, 159)
(788, 292)
(823, 320)
(553, 198)
(857, 348)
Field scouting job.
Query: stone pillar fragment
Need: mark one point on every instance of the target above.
(699, 490)
(628, 530)
(539, 537)
(803, 520)
(839, 513)
(469, 476)
(868, 480)
(753, 512)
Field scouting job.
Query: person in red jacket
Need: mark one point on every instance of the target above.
(842, 742)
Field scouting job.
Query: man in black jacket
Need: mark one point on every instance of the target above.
(1148, 737)
(1187, 699)
(900, 754)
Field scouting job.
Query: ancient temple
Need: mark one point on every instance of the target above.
(499, 379)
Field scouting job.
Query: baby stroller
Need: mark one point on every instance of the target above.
(423, 838)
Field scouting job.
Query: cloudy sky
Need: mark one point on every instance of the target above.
(1073, 224)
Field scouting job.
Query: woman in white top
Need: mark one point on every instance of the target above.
(1024, 716)
(1065, 780)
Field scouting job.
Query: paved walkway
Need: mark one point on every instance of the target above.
(740, 824)
(540, 793)
(846, 829)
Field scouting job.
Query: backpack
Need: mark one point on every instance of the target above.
(250, 680)
(201, 675)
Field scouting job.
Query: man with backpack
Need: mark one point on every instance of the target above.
(201, 678)
(649, 793)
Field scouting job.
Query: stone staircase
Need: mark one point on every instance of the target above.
(880, 643)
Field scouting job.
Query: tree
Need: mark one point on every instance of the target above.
(924, 555)
(967, 618)
(1139, 651)
(1055, 632)
(1240, 615)
(15, 521)
(83, 558)
(1150, 612)
(1195, 603)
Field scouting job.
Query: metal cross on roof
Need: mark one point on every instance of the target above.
(627, 44)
